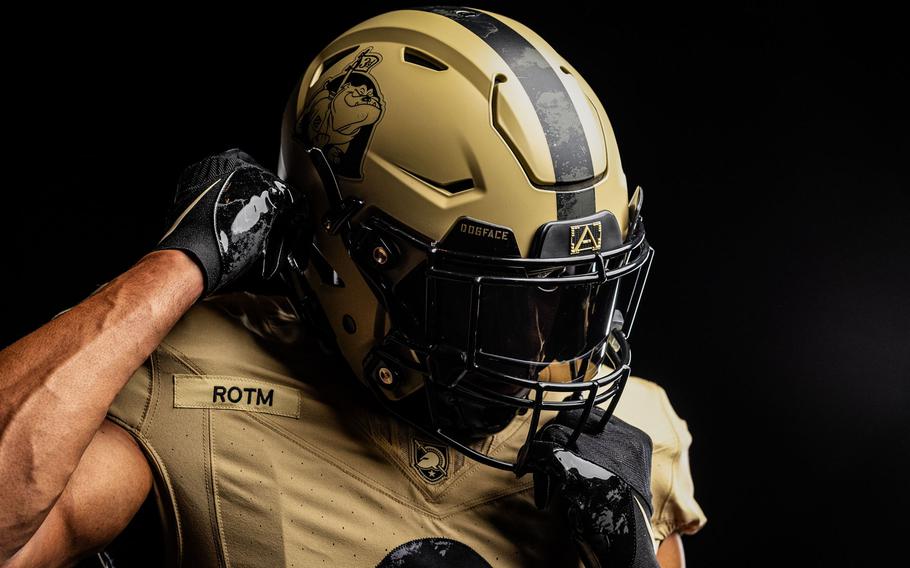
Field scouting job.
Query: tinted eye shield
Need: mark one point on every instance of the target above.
(531, 311)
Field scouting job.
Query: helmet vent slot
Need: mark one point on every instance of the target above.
(330, 61)
(458, 186)
(415, 57)
(451, 187)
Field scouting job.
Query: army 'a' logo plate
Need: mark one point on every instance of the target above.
(431, 460)
(585, 237)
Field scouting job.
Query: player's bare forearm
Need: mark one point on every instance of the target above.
(57, 383)
(671, 554)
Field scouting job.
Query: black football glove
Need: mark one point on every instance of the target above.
(597, 484)
(230, 214)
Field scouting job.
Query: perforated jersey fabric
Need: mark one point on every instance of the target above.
(268, 452)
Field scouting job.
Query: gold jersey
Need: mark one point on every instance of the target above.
(268, 452)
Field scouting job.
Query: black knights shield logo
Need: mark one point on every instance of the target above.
(339, 118)
(431, 460)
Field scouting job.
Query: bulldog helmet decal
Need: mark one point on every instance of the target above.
(340, 117)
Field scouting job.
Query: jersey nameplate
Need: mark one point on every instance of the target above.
(235, 393)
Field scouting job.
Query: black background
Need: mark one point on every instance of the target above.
(772, 145)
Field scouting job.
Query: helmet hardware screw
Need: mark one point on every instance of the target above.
(386, 376)
(380, 255)
(348, 323)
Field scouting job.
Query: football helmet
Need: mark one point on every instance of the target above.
(476, 254)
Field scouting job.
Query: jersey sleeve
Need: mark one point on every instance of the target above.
(675, 507)
(131, 410)
(130, 407)
(645, 405)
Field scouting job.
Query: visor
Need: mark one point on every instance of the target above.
(528, 325)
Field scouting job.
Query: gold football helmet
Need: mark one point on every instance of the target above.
(476, 254)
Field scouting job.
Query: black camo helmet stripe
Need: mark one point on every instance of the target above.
(563, 130)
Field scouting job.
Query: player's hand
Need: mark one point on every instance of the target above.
(600, 485)
(231, 214)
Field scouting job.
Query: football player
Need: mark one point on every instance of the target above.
(447, 381)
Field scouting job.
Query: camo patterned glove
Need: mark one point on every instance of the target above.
(230, 214)
(600, 485)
